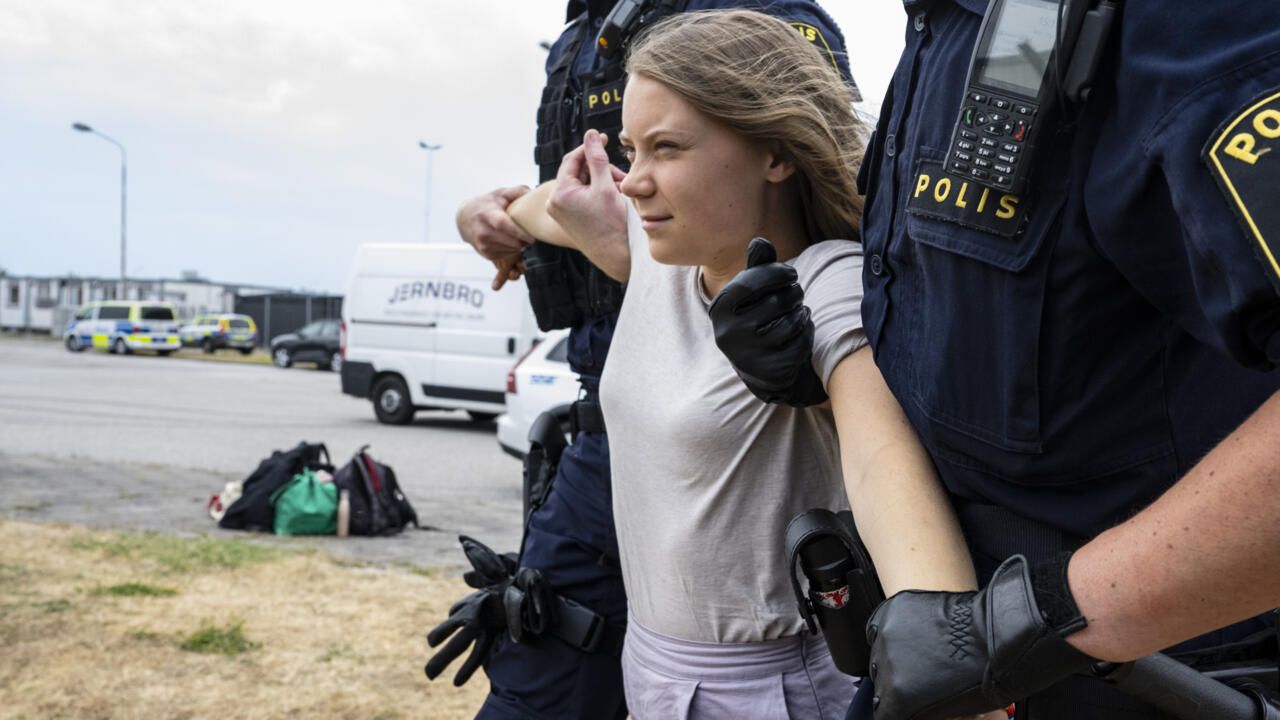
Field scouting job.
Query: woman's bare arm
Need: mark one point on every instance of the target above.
(900, 508)
(530, 213)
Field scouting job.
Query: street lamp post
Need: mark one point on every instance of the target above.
(430, 150)
(124, 194)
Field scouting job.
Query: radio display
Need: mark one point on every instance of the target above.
(1015, 52)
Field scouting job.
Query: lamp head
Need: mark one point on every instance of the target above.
(81, 127)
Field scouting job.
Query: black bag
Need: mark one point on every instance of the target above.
(254, 511)
(378, 507)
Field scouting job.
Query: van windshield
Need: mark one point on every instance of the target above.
(157, 312)
(240, 324)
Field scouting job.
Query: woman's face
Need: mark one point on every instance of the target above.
(698, 186)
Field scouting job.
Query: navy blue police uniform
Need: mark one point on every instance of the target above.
(1068, 353)
(570, 537)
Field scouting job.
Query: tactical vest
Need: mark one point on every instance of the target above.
(564, 287)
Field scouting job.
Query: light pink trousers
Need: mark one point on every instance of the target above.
(792, 678)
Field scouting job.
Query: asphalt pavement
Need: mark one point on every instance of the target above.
(140, 442)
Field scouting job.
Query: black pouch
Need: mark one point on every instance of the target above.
(550, 277)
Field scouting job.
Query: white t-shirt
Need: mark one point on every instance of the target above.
(705, 476)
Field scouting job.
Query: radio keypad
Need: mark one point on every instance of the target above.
(990, 138)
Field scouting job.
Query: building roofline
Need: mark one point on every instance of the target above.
(260, 289)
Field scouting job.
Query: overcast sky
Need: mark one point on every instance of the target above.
(267, 139)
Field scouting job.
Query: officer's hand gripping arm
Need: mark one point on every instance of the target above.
(484, 224)
(936, 655)
(763, 327)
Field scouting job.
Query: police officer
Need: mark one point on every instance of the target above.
(1090, 362)
(563, 599)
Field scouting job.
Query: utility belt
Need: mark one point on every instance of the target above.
(533, 610)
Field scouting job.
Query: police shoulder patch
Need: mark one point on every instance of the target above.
(1240, 158)
(814, 35)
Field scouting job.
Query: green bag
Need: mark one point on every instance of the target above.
(306, 506)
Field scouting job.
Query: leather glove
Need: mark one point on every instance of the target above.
(939, 655)
(476, 620)
(763, 327)
(487, 567)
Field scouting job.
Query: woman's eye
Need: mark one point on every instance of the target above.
(663, 145)
(629, 153)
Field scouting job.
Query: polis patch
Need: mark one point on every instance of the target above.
(942, 196)
(1240, 157)
(603, 99)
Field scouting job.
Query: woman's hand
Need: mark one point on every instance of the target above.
(588, 206)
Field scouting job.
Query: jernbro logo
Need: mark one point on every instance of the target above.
(446, 290)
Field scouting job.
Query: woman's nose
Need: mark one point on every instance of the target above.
(637, 182)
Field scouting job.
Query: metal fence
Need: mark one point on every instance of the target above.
(277, 314)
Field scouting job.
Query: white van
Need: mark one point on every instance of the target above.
(422, 329)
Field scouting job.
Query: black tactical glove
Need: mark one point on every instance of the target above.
(763, 327)
(479, 618)
(476, 619)
(939, 655)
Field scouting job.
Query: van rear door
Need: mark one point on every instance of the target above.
(481, 332)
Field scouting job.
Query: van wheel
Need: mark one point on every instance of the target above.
(207, 346)
(119, 347)
(281, 357)
(481, 417)
(391, 401)
(246, 351)
(164, 353)
(73, 344)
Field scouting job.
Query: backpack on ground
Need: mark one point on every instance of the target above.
(378, 507)
(253, 510)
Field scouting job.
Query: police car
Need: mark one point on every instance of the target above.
(541, 381)
(123, 327)
(215, 332)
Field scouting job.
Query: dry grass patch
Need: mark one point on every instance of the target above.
(120, 625)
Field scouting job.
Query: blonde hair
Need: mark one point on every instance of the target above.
(764, 80)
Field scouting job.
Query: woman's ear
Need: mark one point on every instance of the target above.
(780, 165)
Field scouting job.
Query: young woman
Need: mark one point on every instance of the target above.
(737, 127)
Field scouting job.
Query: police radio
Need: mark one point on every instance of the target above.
(1032, 58)
(626, 19)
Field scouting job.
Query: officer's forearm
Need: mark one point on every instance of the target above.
(1205, 555)
(898, 503)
